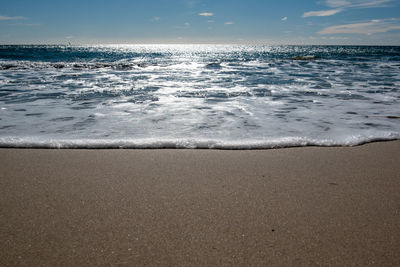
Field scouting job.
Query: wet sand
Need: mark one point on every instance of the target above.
(296, 206)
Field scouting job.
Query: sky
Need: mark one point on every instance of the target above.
(343, 22)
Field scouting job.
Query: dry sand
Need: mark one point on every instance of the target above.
(298, 206)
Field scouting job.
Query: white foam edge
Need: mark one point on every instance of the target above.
(285, 142)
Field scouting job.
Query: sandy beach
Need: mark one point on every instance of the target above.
(281, 207)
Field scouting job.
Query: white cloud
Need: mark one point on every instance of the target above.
(284, 18)
(356, 3)
(229, 23)
(322, 13)
(337, 3)
(12, 18)
(155, 19)
(368, 28)
(210, 21)
(206, 14)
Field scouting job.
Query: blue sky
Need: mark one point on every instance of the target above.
(201, 21)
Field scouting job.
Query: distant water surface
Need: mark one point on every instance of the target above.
(198, 96)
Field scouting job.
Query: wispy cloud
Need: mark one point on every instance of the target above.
(342, 5)
(155, 19)
(229, 23)
(26, 24)
(191, 3)
(12, 18)
(206, 14)
(357, 3)
(284, 18)
(322, 13)
(185, 26)
(368, 28)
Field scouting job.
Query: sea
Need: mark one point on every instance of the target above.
(197, 96)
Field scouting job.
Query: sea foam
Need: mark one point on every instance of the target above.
(198, 96)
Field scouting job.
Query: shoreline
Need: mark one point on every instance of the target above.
(184, 145)
(288, 206)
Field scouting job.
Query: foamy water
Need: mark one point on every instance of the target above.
(198, 96)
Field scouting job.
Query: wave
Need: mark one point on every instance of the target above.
(221, 97)
(286, 142)
(27, 65)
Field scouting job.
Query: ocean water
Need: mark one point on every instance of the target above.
(198, 96)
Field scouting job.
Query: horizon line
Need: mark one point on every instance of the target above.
(211, 43)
